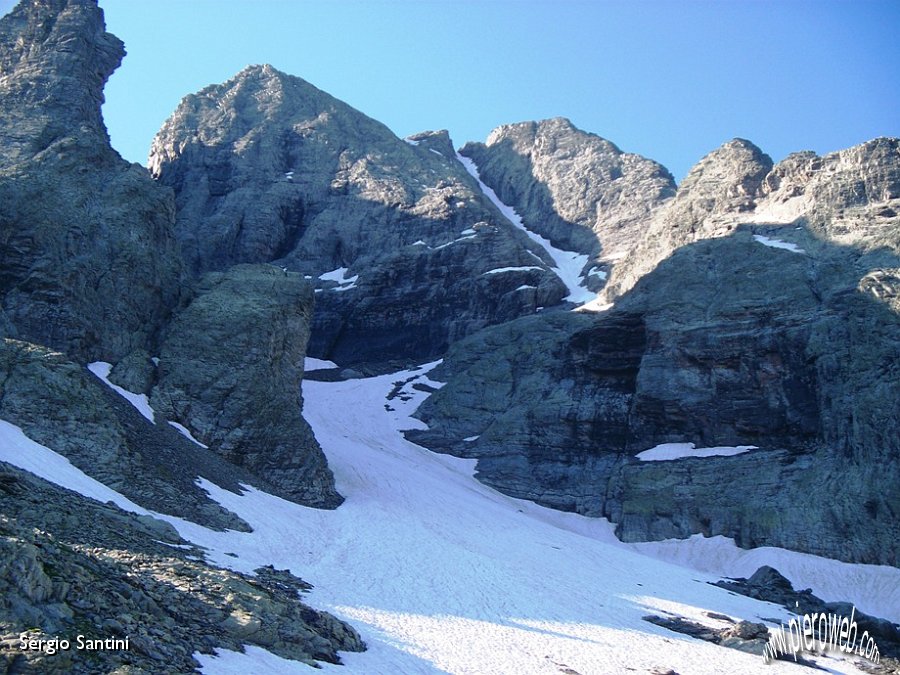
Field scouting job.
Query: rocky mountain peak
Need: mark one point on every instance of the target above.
(73, 213)
(55, 58)
(573, 187)
(249, 115)
(547, 136)
(728, 177)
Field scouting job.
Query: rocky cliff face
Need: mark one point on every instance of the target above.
(230, 368)
(401, 243)
(846, 198)
(575, 188)
(78, 225)
(91, 270)
(91, 267)
(746, 338)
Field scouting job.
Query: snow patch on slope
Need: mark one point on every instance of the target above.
(442, 574)
(19, 450)
(778, 243)
(140, 401)
(339, 276)
(670, 451)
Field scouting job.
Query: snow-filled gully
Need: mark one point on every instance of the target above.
(441, 574)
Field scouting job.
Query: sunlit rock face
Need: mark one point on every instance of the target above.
(573, 187)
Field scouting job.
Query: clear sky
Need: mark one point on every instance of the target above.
(669, 80)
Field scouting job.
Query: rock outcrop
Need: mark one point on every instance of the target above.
(574, 188)
(790, 345)
(404, 248)
(61, 405)
(88, 261)
(71, 566)
(850, 197)
(230, 368)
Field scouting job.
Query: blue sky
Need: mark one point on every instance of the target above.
(669, 80)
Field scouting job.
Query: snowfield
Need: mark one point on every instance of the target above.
(441, 574)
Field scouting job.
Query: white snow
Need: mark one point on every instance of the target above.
(669, 451)
(310, 364)
(874, 589)
(513, 269)
(778, 243)
(597, 272)
(458, 239)
(411, 141)
(102, 369)
(568, 264)
(435, 152)
(419, 243)
(442, 574)
(468, 231)
(596, 305)
(186, 433)
(525, 287)
(339, 275)
(469, 439)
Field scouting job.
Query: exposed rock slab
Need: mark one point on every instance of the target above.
(72, 566)
(575, 188)
(62, 406)
(230, 367)
(88, 257)
(712, 347)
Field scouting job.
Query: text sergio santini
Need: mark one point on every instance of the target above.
(82, 643)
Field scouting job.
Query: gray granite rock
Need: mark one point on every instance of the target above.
(72, 566)
(396, 235)
(727, 342)
(88, 258)
(230, 367)
(575, 188)
(849, 197)
(63, 406)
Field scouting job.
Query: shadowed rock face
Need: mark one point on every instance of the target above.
(850, 197)
(230, 368)
(727, 342)
(266, 167)
(79, 226)
(61, 405)
(90, 266)
(575, 188)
